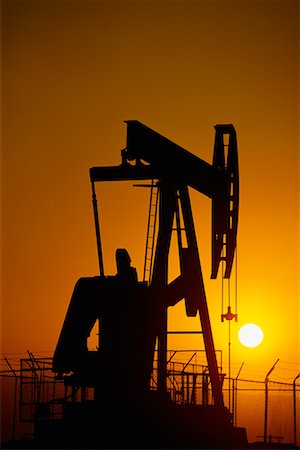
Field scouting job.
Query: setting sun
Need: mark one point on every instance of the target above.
(250, 335)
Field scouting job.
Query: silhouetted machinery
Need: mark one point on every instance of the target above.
(125, 412)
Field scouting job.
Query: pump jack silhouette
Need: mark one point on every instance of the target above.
(125, 412)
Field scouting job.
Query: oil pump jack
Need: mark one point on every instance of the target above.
(133, 314)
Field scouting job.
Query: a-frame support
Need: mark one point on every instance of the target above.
(172, 198)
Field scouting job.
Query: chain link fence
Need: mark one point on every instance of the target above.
(12, 428)
(269, 410)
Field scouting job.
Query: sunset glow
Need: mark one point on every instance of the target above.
(72, 73)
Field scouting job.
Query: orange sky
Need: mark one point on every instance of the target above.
(72, 72)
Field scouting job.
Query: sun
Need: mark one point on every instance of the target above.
(250, 335)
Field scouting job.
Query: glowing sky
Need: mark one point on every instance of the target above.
(72, 72)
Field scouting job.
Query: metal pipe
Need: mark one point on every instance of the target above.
(201, 305)
(15, 398)
(266, 401)
(97, 228)
(186, 364)
(295, 410)
(167, 198)
(235, 396)
(171, 357)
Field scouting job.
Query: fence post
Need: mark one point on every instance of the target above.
(235, 390)
(266, 401)
(295, 409)
(15, 398)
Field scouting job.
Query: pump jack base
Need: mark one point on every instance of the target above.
(154, 423)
